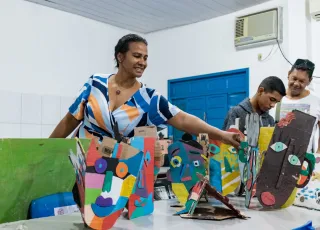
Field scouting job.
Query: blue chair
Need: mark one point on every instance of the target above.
(52, 205)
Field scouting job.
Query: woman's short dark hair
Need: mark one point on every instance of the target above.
(272, 83)
(123, 44)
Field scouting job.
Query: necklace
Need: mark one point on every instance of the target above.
(118, 91)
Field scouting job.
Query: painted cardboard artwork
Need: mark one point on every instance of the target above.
(105, 184)
(186, 160)
(141, 201)
(249, 157)
(208, 212)
(282, 166)
(224, 170)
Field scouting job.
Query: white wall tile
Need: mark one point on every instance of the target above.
(10, 130)
(50, 110)
(46, 130)
(30, 131)
(31, 109)
(10, 107)
(66, 102)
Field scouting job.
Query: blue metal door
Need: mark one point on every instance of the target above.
(217, 108)
(209, 96)
(181, 104)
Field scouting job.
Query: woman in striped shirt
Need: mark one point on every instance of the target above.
(107, 99)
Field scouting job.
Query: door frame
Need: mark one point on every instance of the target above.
(244, 71)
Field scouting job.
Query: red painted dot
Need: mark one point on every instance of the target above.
(268, 199)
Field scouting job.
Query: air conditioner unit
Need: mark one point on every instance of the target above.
(261, 28)
(314, 6)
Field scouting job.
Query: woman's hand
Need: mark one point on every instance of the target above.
(193, 125)
(231, 138)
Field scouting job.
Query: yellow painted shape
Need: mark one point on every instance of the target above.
(181, 192)
(291, 199)
(264, 140)
(127, 186)
(230, 183)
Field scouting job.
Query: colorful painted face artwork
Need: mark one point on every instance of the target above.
(249, 158)
(108, 184)
(224, 167)
(186, 161)
(141, 201)
(283, 161)
(192, 211)
(309, 196)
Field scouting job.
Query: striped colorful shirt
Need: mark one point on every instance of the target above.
(146, 107)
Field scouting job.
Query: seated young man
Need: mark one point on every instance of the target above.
(269, 93)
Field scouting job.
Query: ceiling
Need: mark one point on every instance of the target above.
(147, 16)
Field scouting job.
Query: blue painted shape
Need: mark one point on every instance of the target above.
(146, 208)
(138, 143)
(115, 150)
(134, 163)
(215, 175)
(102, 211)
(149, 206)
(156, 170)
(121, 203)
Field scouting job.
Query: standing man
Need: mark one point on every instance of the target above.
(269, 93)
(300, 98)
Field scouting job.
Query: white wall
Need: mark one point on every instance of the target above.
(315, 35)
(315, 57)
(208, 47)
(46, 56)
(46, 51)
(30, 115)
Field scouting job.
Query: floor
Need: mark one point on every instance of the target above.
(163, 218)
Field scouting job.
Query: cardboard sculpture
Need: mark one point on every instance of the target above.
(186, 160)
(105, 183)
(224, 167)
(279, 174)
(141, 201)
(249, 158)
(192, 211)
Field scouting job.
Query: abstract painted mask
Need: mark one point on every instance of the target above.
(284, 159)
(186, 161)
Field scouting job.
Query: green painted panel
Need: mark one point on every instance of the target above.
(33, 168)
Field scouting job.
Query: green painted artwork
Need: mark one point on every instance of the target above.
(33, 168)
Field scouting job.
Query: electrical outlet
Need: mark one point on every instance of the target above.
(259, 57)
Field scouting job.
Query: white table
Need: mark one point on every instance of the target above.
(162, 218)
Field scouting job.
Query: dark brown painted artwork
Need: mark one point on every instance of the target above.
(284, 159)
